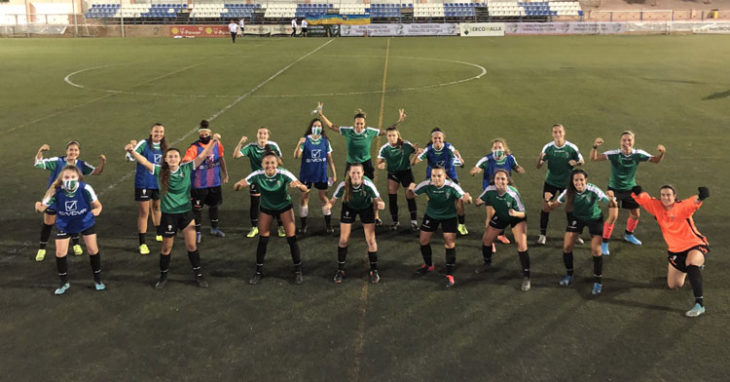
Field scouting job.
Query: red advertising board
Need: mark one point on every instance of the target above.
(200, 31)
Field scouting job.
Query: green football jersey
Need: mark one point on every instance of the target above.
(177, 198)
(256, 153)
(510, 200)
(397, 158)
(361, 197)
(441, 200)
(557, 158)
(358, 145)
(585, 204)
(274, 189)
(623, 168)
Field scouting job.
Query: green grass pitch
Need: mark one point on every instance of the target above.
(671, 90)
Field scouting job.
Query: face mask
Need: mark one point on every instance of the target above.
(205, 139)
(316, 130)
(497, 153)
(70, 184)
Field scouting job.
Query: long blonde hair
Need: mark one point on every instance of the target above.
(57, 183)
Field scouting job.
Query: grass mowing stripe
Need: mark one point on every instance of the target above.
(223, 110)
(364, 291)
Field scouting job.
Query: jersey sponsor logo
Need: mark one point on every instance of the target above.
(71, 209)
(158, 158)
(144, 191)
(72, 205)
(316, 154)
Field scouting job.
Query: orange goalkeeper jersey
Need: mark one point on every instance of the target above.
(676, 223)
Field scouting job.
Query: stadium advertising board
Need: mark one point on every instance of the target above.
(448, 29)
(323, 31)
(714, 28)
(199, 31)
(481, 29)
(564, 28)
(222, 30)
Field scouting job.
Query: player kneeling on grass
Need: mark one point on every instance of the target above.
(443, 194)
(76, 205)
(273, 184)
(504, 208)
(173, 178)
(359, 197)
(581, 204)
(687, 247)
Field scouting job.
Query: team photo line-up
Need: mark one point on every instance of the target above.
(172, 187)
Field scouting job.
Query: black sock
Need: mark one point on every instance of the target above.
(75, 239)
(45, 234)
(62, 267)
(412, 208)
(328, 220)
(450, 260)
(597, 268)
(253, 213)
(604, 240)
(695, 279)
(544, 217)
(487, 253)
(158, 230)
(95, 261)
(213, 214)
(341, 258)
(198, 216)
(261, 250)
(142, 238)
(568, 261)
(393, 206)
(525, 263)
(296, 257)
(462, 218)
(164, 265)
(373, 257)
(426, 254)
(303, 221)
(194, 258)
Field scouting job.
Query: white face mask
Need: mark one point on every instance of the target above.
(316, 130)
(497, 153)
(70, 184)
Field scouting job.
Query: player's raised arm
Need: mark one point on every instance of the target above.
(595, 156)
(660, 154)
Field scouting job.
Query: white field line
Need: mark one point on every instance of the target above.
(223, 110)
(110, 93)
(482, 72)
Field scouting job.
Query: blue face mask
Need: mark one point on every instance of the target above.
(497, 153)
(70, 184)
(316, 130)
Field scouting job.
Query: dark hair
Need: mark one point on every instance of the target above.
(669, 186)
(72, 143)
(165, 172)
(163, 142)
(359, 113)
(571, 191)
(400, 140)
(435, 129)
(267, 153)
(309, 129)
(348, 182)
(204, 124)
(509, 177)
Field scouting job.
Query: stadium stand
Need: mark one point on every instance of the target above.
(382, 10)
